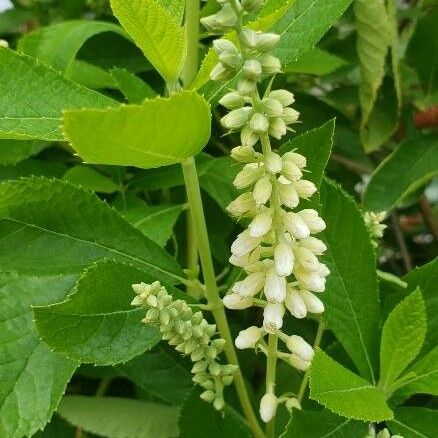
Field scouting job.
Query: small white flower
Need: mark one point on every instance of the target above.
(291, 171)
(252, 69)
(259, 123)
(310, 280)
(285, 97)
(232, 100)
(248, 176)
(241, 205)
(251, 285)
(273, 317)
(273, 107)
(306, 258)
(244, 244)
(248, 338)
(288, 195)
(262, 191)
(247, 259)
(297, 345)
(273, 162)
(295, 304)
(298, 159)
(290, 116)
(275, 287)
(243, 154)
(248, 137)
(235, 119)
(268, 407)
(313, 303)
(304, 188)
(236, 302)
(312, 219)
(296, 226)
(261, 224)
(299, 363)
(270, 64)
(283, 259)
(315, 245)
(277, 128)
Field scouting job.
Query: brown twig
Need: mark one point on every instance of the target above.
(429, 216)
(401, 241)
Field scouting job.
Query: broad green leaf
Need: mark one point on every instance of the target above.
(345, 393)
(13, 151)
(90, 179)
(402, 337)
(52, 227)
(57, 45)
(159, 132)
(120, 417)
(96, 323)
(175, 8)
(200, 419)
(410, 166)
(90, 76)
(156, 33)
(57, 428)
(421, 377)
(351, 297)
(133, 88)
(413, 422)
(322, 424)
(12, 19)
(315, 62)
(373, 38)
(34, 97)
(32, 167)
(33, 378)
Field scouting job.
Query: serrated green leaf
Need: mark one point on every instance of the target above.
(57, 45)
(410, 166)
(33, 378)
(32, 167)
(13, 151)
(159, 132)
(345, 393)
(115, 417)
(97, 324)
(413, 422)
(90, 76)
(175, 8)
(351, 297)
(34, 96)
(402, 337)
(57, 428)
(133, 88)
(156, 33)
(90, 179)
(315, 62)
(52, 227)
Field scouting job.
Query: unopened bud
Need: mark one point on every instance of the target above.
(296, 226)
(283, 259)
(248, 137)
(223, 45)
(297, 345)
(291, 171)
(244, 244)
(273, 162)
(271, 65)
(290, 116)
(268, 407)
(236, 302)
(277, 128)
(235, 119)
(220, 72)
(252, 69)
(275, 287)
(261, 224)
(241, 205)
(251, 285)
(247, 176)
(313, 303)
(273, 317)
(298, 159)
(285, 97)
(288, 195)
(232, 100)
(248, 338)
(295, 304)
(299, 363)
(208, 396)
(306, 258)
(312, 220)
(259, 123)
(262, 191)
(246, 86)
(315, 245)
(304, 188)
(244, 154)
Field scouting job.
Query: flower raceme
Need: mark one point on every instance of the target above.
(277, 250)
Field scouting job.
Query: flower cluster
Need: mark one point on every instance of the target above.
(373, 221)
(190, 334)
(382, 434)
(277, 250)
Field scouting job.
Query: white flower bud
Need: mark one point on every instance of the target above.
(273, 107)
(220, 72)
(251, 285)
(266, 41)
(297, 345)
(259, 123)
(252, 5)
(246, 86)
(262, 191)
(277, 128)
(235, 119)
(248, 338)
(208, 396)
(236, 302)
(223, 45)
(232, 100)
(210, 22)
(247, 176)
(261, 224)
(283, 259)
(245, 260)
(288, 195)
(273, 162)
(248, 137)
(231, 60)
(222, 21)
(252, 69)
(244, 154)
(312, 219)
(4, 44)
(275, 287)
(273, 317)
(315, 245)
(306, 258)
(271, 65)
(310, 280)
(304, 188)
(268, 407)
(290, 170)
(298, 159)
(241, 205)
(295, 304)
(244, 244)
(285, 97)
(313, 303)
(296, 226)
(290, 116)
(323, 270)
(299, 363)
(248, 37)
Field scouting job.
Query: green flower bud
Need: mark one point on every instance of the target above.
(285, 97)
(222, 21)
(198, 354)
(248, 137)
(219, 403)
(219, 344)
(290, 116)
(277, 128)
(199, 367)
(237, 118)
(208, 396)
(246, 86)
(223, 45)
(244, 154)
(227, 380)
(232, 100)
(215, 369)
(231, 60)
(266, 41)
(221, 73)
(252, 70)
(271, 65)
(259, 123)
(273, 107)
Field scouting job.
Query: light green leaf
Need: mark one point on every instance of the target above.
(52, 227)
(402, 337)
(315, 62)
(412, 164)
(90, 179)
(175, 8)
(413, 422)
(90, 76)
(33, 378)
(34, 96)
(97, 324)
(156, 33)
(351, 297)
(133, 88)
(345, 393)
(115, 417)
(57, 45)
(158, 132)
(13, 151)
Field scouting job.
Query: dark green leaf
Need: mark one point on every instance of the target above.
(133, 88)
(13, 151)
(412, 422)
(90, 179)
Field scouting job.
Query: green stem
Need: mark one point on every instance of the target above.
(271, 371)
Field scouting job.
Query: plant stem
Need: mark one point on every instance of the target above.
(401, 240)
(271, 371)
(211, 289)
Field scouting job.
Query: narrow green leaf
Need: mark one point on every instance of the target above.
(315, 62)
(156, 33)
(120, 417)
(13, 151)
(34, 97)
(33, 378)
(52, 227)
(133, 88)
(351, 297)
(90, 179)
(402, 337)
(345, 393)
(410, 166)
(159, 132)
(413, 422)
(32, 167)
(57, 45)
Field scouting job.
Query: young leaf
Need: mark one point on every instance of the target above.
(157, 133)
(13, 151)
(90, 179)
(33, 377)
(345, 393)
(133, 88)
(97, 324)
(413, 422)
(410, 166)
(402, 338)
(58, 44)
(155, 32)
(34, 96)
(351, 297)
(52, 227)
(120, 417)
